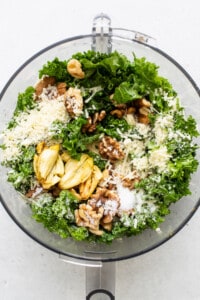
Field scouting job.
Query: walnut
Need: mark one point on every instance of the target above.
(34, 192)
(44, 83)
(143, 119)
(99, 116)
(61, 88)
(92, 122)
(141, 109)
(89, 126)
(74, 69)
(74, 102)
(88, 217)
(120, 105)
(108, 179)
(119, 113)
(131, 110)
(106, 226)
(107, 199)
(144, 111)
(130, 182)
(142, 103)
(109, 148)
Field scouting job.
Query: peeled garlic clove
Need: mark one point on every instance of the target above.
(47, 160)
(50, 181)
(76, 172)
(65, 156)
(84, 188)
(58, 168)
(35, 165)
(85, 170)
(87, 188)
(40, 147)
(97, 173)
(55, 174)
(72, 166)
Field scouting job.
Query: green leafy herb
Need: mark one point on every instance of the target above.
(21, 173)
(185, 125)
(55, 68)
(58, 215)
(125, 92)
(98, 160)
(110, 124)
(146, 77)
(25, 102)
(72, 138)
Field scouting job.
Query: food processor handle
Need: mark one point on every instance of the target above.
(100, 276)
(101, 281)
(102, 34)
(101, 291)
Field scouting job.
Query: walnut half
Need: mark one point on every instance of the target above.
(109, 201)
(110, 149)
(88, 217)
(44, 83)
(75, 70)
(92, 121)
(74, 102)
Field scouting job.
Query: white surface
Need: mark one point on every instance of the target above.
(29, 271)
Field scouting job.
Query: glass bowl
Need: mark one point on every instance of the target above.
(103, 38)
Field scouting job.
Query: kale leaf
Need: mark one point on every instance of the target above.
(105, 70)
(126, 92)
(114, 127)
(146, 77)
(186, 125)
(21, 175)
(25, 102)
(55, 68)
(57, 215)
(72, 137)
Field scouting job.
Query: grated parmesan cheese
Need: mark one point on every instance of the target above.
(34, 126)
(161, 128)
(143, 129)
(136, 147)
(159, 158)
(141, 165)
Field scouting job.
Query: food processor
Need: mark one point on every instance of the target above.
(99, 259)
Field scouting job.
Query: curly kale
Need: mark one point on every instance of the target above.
(55, 68)
(57, 215)
(25, 102)
(21, 173)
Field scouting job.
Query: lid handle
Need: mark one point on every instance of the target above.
(101, 34)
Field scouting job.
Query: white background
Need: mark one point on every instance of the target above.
(29, 271)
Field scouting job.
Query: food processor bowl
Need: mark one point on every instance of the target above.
(103, 38)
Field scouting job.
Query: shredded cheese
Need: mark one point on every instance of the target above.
(159, 158)
(34, 126)
(162, 125)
